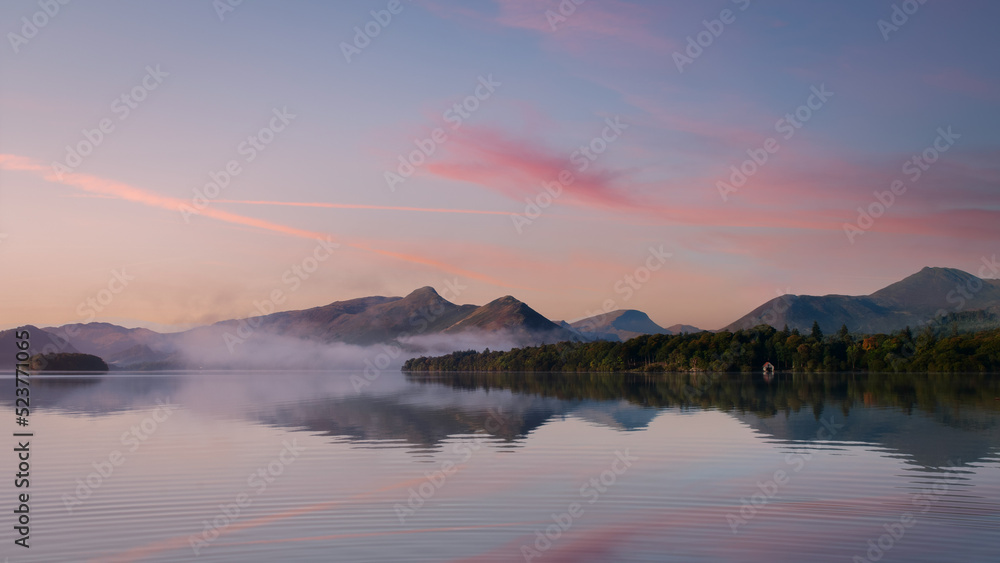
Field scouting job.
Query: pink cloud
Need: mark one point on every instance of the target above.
(810, 193)
(110, 188)
(326, 205)
(517, 168)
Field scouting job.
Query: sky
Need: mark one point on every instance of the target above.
(170, 164)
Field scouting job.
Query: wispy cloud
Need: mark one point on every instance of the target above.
(110, 188)
(363, 206)
(517, 167)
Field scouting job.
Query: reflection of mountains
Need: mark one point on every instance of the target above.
(929, 420)
(932, 420)
(412, 412)
(94, 396)
(936, 440)
(427, 423)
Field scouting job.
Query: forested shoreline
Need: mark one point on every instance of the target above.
(744, 351)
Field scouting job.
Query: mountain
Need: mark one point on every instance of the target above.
(333, 334)
(620, 325)
(514, 318)
(913, 301)
(342, 333)
(107, 340)
(364, 321)
(422, 313)
(39, 342)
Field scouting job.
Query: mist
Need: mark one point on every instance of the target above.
(213, 348)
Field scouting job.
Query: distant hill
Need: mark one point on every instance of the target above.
(619, 325)
(513, 317)
(303, 338)
(681, 329)
(112, 342)
(364, 321)
(424, 322)
(914, 301)
(40, 342)
(374, 320)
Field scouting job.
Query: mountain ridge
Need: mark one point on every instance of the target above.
(916, 300)
(412, 321)
(618, 325)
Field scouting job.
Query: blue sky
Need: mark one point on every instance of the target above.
(655, 184)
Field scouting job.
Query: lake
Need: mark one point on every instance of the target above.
(314, 466)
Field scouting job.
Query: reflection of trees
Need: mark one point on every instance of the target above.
(745, 393)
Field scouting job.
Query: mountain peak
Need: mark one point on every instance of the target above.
(912, 301)
(423, 293)
(507, 312)
(622, 324)
(930, 287)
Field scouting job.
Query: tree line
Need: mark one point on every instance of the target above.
(744, 351)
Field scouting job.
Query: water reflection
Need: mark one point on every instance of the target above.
(930, 420)
(858, 453)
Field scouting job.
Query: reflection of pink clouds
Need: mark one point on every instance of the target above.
(705, 530)
(591, 544)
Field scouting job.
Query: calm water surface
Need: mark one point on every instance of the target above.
(265, 467)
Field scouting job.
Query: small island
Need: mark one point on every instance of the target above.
(67, 362)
